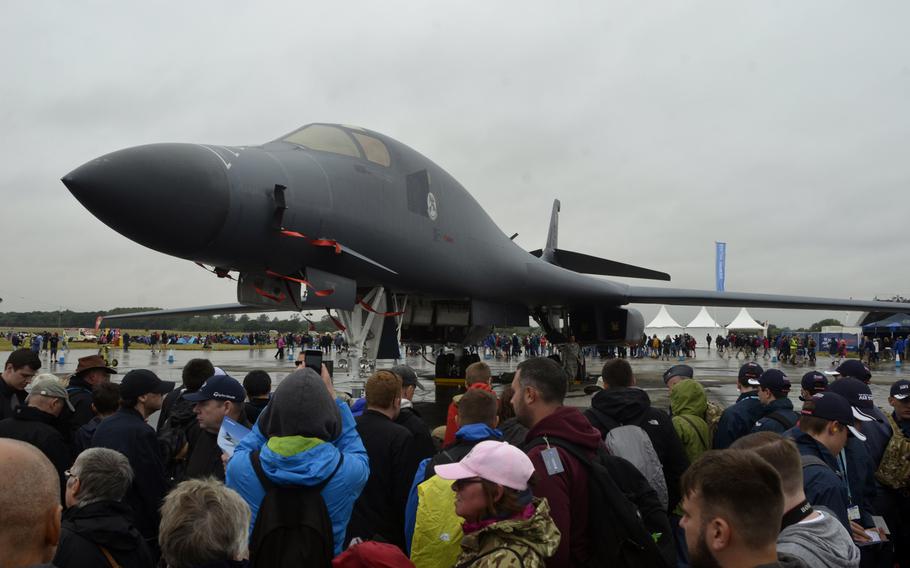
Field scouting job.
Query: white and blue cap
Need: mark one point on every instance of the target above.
(218, 387)
(900, 389)
(832, 406)
(858, 395)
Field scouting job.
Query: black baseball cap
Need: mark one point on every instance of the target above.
(749, 374)
(814, 382)
(858, 395)
(142, 381)
(775, 380)
(900, 389)
(854, 368)
(218, 387)
(408, 376)
(678, 371)
(832, 406)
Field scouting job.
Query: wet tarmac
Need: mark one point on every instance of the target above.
(717, 374)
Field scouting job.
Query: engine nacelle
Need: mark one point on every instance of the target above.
(606, 325)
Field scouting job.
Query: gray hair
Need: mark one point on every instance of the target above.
(203, 521)
(104, 475)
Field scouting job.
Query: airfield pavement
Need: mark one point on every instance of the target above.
(716, 374)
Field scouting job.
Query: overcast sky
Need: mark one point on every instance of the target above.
(780, 127)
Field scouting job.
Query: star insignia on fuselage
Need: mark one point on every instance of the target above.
(432, 213)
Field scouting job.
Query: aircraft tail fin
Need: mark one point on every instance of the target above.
(553, 233)
(587, 264)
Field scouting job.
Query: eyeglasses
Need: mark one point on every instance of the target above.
(68, 474)
(299, 363)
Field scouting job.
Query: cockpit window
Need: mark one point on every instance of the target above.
(326, 139)
(374, 149)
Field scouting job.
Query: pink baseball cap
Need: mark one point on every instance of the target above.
(498, 462)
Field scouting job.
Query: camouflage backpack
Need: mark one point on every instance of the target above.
(894, 469)
(712, 418)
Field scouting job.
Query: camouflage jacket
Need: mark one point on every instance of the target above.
(513, 543)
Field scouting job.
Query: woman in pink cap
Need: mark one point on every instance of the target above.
(504, 524)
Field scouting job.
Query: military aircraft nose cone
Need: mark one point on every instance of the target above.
(170, 197)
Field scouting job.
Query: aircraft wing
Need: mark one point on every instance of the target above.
(683, 297)
(191, 311)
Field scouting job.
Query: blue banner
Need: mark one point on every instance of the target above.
(720, 266)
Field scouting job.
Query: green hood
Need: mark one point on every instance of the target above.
(688, 397)
(689, 403)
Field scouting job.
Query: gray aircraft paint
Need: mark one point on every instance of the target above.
(410, 227)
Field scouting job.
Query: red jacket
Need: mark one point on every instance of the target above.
(451, 427)
(566, 492)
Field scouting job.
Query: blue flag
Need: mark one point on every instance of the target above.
(720, 266)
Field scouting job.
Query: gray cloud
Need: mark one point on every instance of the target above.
(781, 128)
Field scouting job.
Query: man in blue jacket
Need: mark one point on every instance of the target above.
(825, 423)
(738, 419)
(301, 436)
(777, 409)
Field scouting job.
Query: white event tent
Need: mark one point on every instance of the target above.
(702, 325)
(744, 321)
(663, 325)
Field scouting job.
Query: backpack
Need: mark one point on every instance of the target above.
(292, 526)
(172, 436)
(894, 469)
(780, 418)
(437, 529)
(712, 418)
(627, 525)
(809, 461)
(633, 444)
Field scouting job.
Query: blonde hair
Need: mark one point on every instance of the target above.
(203, 521)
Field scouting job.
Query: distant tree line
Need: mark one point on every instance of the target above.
(227, 323)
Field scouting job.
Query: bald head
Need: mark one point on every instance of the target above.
(29, 505)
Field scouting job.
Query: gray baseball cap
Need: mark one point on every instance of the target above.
(52, 388)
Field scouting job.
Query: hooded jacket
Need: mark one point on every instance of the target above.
(737, 420)
(432, 529)
(689, 403)
(566, 492)
(824, 486)
(779, 409)
(820, 542)
(296, 460)
(618, 406)
(104, 523)
(512, 543)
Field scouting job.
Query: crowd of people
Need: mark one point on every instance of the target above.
(159, 341)
(517, 478)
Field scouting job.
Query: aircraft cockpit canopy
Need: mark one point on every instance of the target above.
(347, 142)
